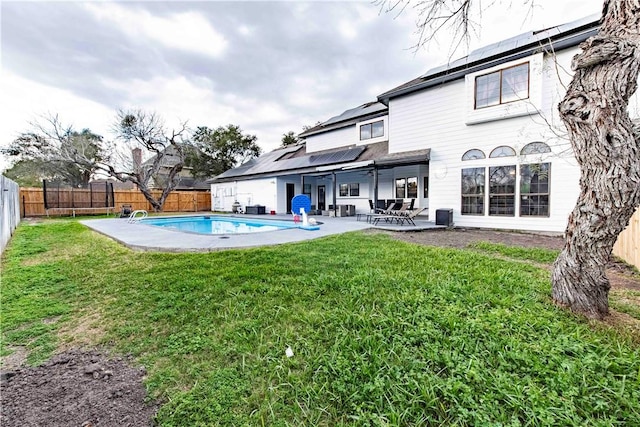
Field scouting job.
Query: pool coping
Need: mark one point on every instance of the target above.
(142, 237)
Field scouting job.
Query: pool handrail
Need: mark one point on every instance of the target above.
(134, 215)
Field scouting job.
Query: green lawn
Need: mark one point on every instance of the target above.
(383, 332)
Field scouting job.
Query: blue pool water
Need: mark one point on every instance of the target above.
(211, 224)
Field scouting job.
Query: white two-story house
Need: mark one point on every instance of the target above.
(480, 137)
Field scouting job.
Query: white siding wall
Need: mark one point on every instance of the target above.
(336, 138)
(361, 202)
(254, 192)
(345, 137)
(436, 118)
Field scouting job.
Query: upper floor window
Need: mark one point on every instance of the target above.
(502, 86)
(502, 151)
(535, 148)
(473, 154)
(372, 130)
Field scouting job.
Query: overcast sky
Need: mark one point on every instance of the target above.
(269, 67)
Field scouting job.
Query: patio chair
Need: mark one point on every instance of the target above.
(399, 219)
(392, 207)
(373, 209)
(411, 215)
(391, 214)
(396, 210)
(386, 217)
(403, 211)
(381, 212)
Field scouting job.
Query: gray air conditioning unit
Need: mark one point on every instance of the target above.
(444, 217)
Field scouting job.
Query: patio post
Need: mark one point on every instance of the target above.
(375, 187)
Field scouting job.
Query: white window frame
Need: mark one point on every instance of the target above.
(383, 137)
(523, 107)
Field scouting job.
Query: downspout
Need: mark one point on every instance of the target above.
(333, 178)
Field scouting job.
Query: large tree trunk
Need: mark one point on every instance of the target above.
(155, 204)
(607, 148)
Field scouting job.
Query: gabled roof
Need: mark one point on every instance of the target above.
(547, 40)
(295, 160)
(278, 161)
(191, 183)
(370, 110)
(169, 159)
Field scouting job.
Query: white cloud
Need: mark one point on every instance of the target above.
(179, 99)
(347, 29)
(176, 99)
(25, 101)
(335, 57)
(187, 31)
(245, 30)
(306, 91)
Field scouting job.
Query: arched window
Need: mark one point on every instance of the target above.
(473, 154)
(502, 151)
(535, 148)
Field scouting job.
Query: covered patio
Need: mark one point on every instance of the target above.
(339, 182)
(375, 179)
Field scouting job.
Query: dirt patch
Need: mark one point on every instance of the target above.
(13, 361)
(462, 238)
(76, 388)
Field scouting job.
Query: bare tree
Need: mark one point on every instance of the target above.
(145, 132)
(51, 150)
(59, 146)
(605, 142)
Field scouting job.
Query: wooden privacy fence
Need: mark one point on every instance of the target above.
(32, 202)
(628, 245)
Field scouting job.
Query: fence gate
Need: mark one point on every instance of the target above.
(93, 197)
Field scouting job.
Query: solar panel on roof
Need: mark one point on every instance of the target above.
(512, 43)
(336, 157)
(268, 163)
(356, 112)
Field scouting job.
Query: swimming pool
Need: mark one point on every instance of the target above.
(212, 224)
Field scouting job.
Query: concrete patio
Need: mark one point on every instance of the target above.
(144, 237)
